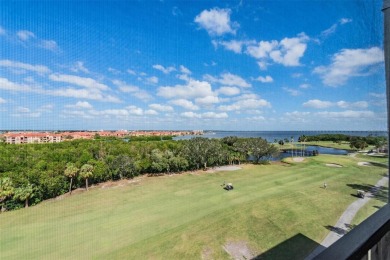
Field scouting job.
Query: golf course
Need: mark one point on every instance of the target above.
(276, 211)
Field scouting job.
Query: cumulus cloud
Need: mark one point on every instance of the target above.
(208, 100)
(233, 45)
(287, 52)
(24, 66)
(184, 70)
(192, 89)
(351, 114)
(315, 103)
(159, 107)
(184, 103)
(164, 70)
(292, 92)
(228, 79)
(153, 80)
(266, 79)
(216, 21)
(319, 104)
(245, 102)
(133, 90)
(80, 104)
(350, 63)
(79, 81)
(151, 112)
(206, 115)
(228, 91)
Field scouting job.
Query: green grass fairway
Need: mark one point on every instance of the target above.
(189, 216)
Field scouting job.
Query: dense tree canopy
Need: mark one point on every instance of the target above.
(31, 173)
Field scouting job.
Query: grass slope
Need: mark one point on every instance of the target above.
(190, 215)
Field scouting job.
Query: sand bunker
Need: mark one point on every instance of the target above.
(298, 159)
(364, 164)
(239, 250)
(334, 165)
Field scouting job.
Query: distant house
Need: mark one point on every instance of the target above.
(31, 138)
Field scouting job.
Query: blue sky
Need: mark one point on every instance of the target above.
(220, 65)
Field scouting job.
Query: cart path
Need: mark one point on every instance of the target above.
(342, 225)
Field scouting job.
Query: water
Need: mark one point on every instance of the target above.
(270, 136)
(309, 149)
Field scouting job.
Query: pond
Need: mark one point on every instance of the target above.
(309, 151)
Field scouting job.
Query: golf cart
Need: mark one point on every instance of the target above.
(227, 186)
(360, 194)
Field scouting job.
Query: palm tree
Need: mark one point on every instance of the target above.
(71, 172)
(24, 193)
(6, 190)
(86, 172)
(292, 144)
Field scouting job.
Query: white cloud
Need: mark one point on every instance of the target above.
(184, 70)
(304, 86)
(25, 35)
(151, 112)
(332, 29)
(192, 89)
(49, 45)
(133, 110)
(153, 80)
(22, 110)
(79, 81)
(80, 104)
(24, 66)
(131, 72)
(190, 115)
(233, 45)
(287, 52)
(329, 31)
(245, 102)
(206, 115)
(164, 70)
(347, 114)
(62, 92)
(216, 21)
(350, 63)
(345, 20)
(114, 71)
(214, 115)
(79, 66)
(292, 92)
(315, 103)
(262, 65)
(133, 90)
(2, 100)
(160, 107)
(266, 79)
(208, 100)
(228, 79)
(262, 49)
(228, 91)
(2, 31)
(318, 104)
(184, 103)
(124, 87)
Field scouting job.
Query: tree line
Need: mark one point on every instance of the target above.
(31, 173)
(355, 142)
